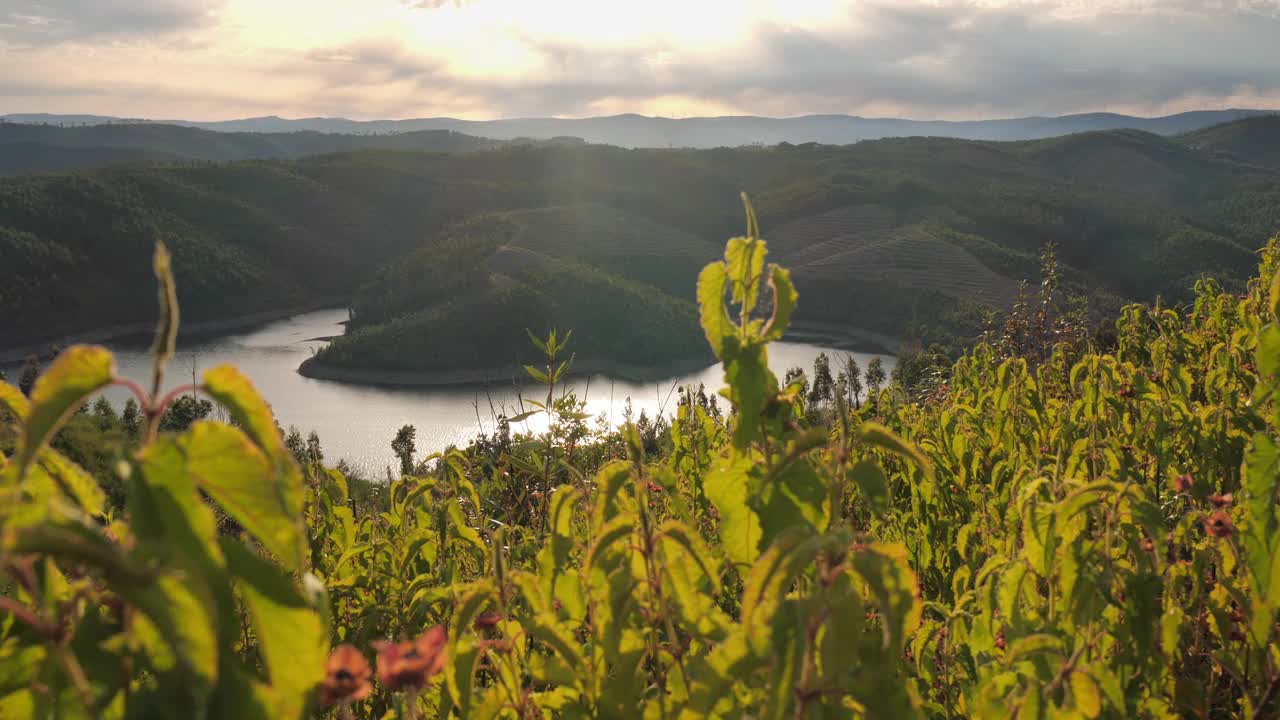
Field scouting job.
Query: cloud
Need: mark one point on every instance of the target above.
(42, 21)
(509, 58)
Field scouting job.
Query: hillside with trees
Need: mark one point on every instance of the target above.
(1252, 140)
(915, 238)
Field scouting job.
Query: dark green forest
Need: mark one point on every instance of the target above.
(919, 239)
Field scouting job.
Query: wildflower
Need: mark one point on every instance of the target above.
(346, 677)
(488, 619)
(1219, 524)
(410, 664)
(1182, 483)
(1221, 501)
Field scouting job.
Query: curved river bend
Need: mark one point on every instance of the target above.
(357, 422)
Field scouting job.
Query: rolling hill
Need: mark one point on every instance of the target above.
(706, 132)
(903, 237)
(1251, 140)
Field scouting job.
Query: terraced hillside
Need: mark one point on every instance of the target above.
(620, 242)
(871, 273)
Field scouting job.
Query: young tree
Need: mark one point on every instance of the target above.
(183, 412)
(822, 383)
(296, 445)
(104, 413)
(875, 378)
(314, 454)
(131, 419)
(30, 372)
(851, 377)
(403, 446)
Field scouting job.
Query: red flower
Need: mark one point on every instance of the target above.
(1221, 501)
(410, 664)
(346, 677)
(1182, 483)
(1219, 525)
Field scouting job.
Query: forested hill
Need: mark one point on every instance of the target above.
(1252, 140)
(632, 130)
(30, 148)
(911, 237)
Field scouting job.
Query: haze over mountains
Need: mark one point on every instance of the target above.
(702, 132)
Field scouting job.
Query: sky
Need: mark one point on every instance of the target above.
(483, 59)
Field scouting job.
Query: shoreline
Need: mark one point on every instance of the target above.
(143, 331)
(461, 378)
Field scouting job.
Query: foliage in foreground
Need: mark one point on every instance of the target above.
(1089, 535)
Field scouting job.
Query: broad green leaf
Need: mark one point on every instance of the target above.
(720, 330)
(1085, 693)
(1038, 644)
(1268, 355)
(235, 392)
(1261, 530)
(239, 477)
(771, 576)
(894, 589)
(794, 497)
(78, 372)
(608, 486)
(12, 399)
(785, 298)
(875, 487)
(727, 486)
(1274, 297)
(548, 630)
(751, 386)
(177, 602)
(692, 544)
(882, 437)
(291, 636)
(77, 484)
(744, 263)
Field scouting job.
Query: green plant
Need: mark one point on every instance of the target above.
(151, 609)
(1078, 534)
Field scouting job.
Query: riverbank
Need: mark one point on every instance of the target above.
(142, 332)
(481, 377)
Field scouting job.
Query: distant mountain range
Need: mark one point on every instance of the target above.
(705, 132)
(31, 148)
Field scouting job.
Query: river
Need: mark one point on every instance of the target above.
(356, 422)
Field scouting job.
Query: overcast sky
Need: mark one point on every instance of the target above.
(221, 59)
